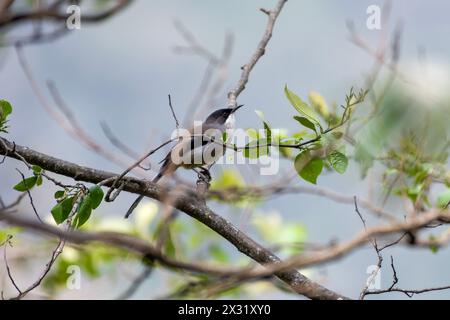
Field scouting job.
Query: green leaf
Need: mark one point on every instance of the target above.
(26, 184)
(96, 195)
(37, 170)
(59, 194)
(312, 170)
(268, 131)
(61, 211)
(267, 128)
(307, 167)
(301, 106)
(339, 161)
(84, 211)
(225, 137)
(5, 109)
(256, 148)
(443, 199)
(306, 123)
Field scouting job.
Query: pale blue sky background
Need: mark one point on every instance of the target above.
(122, 70)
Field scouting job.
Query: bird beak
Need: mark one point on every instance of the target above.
(237, 108)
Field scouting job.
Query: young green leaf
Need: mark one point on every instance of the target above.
(307, 167)
(96, 195)
(268, 131)
(39, 180)
(61, 211)
(84, 211)
(339, 161)
(256, 148)
(301, 106)
(267, 128)
(26, 184)
(5, 109)
(306, 123)
(37, 170)
(225, 137)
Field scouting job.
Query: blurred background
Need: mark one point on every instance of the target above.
(120, 72)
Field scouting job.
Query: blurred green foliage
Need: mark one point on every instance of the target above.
(5, 110)
(408, 133)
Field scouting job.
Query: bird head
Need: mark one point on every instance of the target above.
(222, 117)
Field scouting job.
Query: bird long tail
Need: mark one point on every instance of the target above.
(133, 206)
(158, 177)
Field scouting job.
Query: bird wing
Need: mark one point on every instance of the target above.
(195, 151)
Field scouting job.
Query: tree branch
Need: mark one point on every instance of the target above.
(260, 50)
(111, 238)
(187, 201)
(52, 13)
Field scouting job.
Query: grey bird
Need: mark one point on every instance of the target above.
(196, 148)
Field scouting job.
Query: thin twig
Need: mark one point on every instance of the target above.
(177, 124)
(373, 240)
(394, 274)
(30, 197)
(8, 269)
(408, 292)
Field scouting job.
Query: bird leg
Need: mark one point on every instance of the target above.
(206, 174)
(204, 179)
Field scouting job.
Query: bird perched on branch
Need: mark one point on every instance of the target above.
(198, 148)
